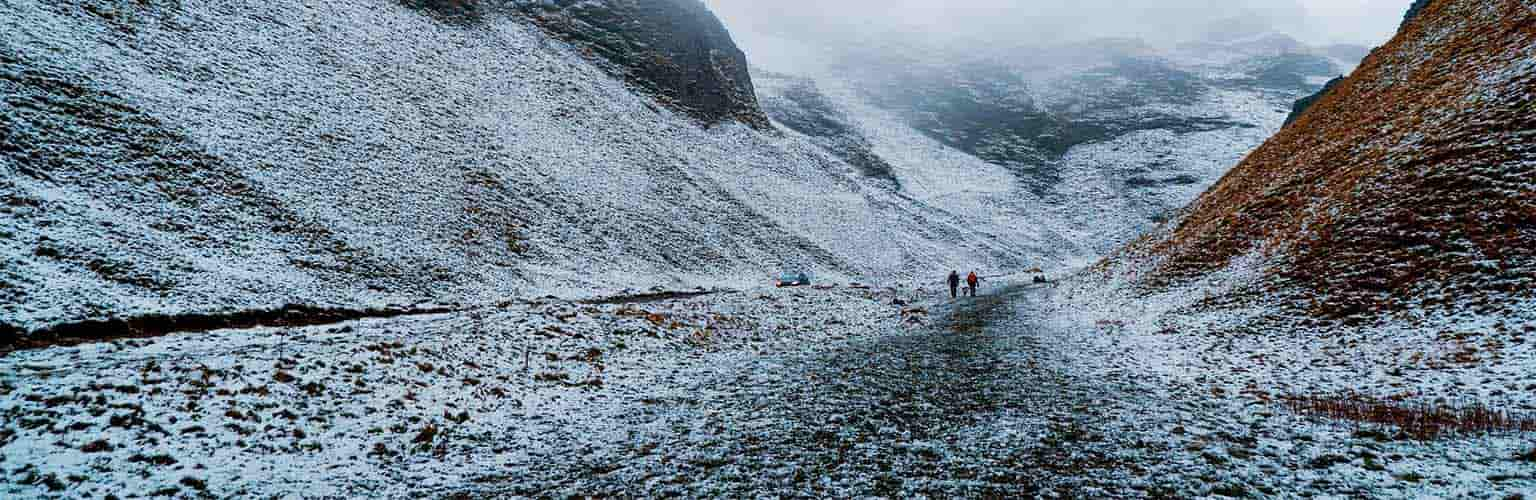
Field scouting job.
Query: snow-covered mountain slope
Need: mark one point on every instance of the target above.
(1386, 235)
(1082, 145)
(167, 157)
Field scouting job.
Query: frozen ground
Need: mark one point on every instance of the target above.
(794, 392)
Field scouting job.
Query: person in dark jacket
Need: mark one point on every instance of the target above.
(954, 284)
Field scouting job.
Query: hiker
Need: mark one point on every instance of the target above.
(970, 283)
(954, 284)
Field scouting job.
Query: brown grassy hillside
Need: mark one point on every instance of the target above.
(1411, 183)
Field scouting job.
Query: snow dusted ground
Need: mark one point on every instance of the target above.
(791, 392)
(382, 407)
(1215, 405)
(1448, 357)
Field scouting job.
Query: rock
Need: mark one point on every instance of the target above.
(1372, 434)
(449, 10)
(1413, 12)
(675, 49)
(1234, 490)
(97, 446)
(426, 435)
(1301, 105)
(194, 483)
(1327, 460)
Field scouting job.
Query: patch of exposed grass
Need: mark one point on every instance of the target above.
(1423, 421)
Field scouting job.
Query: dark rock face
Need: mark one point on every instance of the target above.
(1304, 103)
(1285, 71)
(1413, 11)
(676, 50)
(458, 10)
(1177, 180)
(802, 108)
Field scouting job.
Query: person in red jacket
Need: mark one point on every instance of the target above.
(970, 283)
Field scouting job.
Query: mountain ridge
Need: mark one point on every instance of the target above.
(676, 50)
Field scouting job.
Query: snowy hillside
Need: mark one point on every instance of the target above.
(1380, 244)
(167, 157)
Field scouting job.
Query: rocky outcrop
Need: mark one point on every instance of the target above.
(676, 50)
(1294, 71)
(451, 10)
(802, 107)
(1413, 11)
(1305, 103)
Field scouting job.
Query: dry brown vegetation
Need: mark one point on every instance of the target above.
(1415, 420)
(1414, 174)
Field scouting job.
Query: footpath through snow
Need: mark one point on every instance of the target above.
(792, 392)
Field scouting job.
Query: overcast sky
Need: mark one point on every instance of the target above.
(1366, 22)
(759, 23)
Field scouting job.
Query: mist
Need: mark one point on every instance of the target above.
(774, 33)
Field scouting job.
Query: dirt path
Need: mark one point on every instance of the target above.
(987, 402)
(973, 405)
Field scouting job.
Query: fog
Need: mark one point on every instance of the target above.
(768, 30)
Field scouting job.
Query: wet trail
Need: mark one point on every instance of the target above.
(974, 404)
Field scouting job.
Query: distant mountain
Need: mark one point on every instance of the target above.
(1100, 139)
(1305, 103)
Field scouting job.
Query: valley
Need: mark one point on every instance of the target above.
(519, 248)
